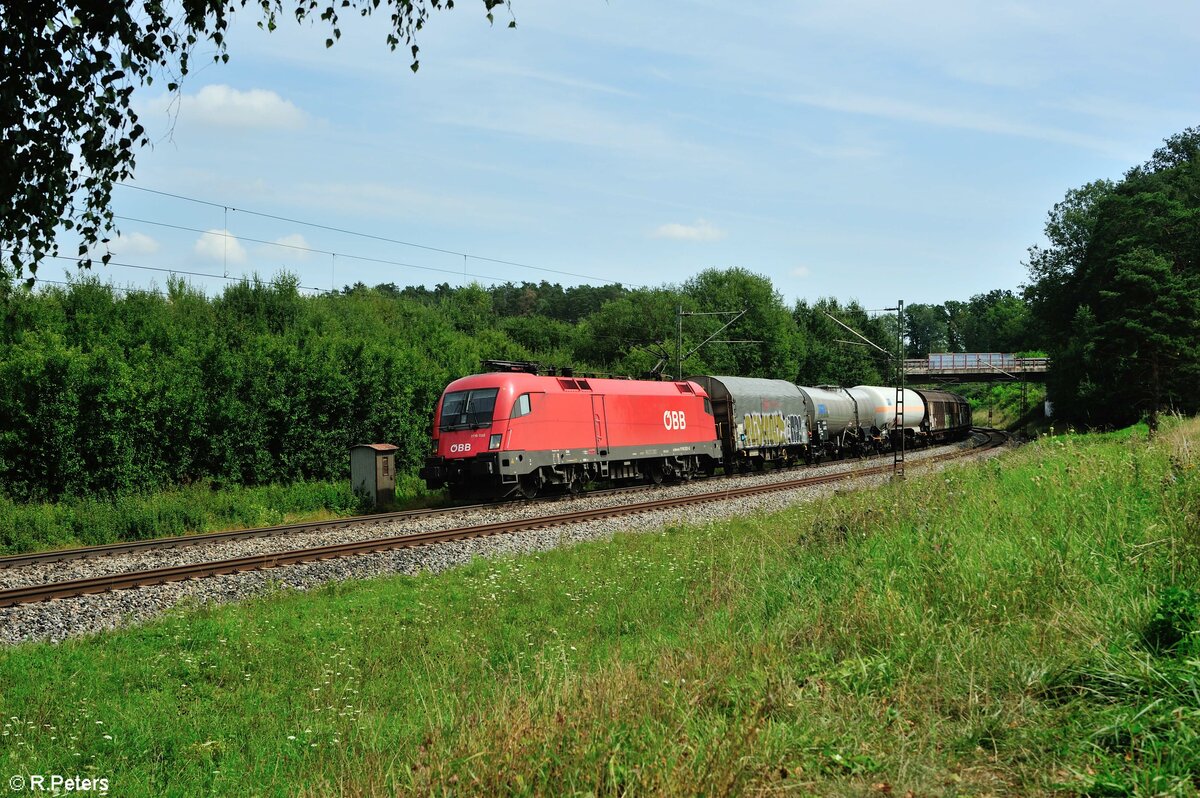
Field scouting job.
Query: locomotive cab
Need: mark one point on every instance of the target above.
(469, 430)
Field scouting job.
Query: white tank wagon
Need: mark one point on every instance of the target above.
(835, 420)
(879, 403)
(758, 420)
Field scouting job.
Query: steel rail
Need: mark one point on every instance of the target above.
(158, 576)
(204, 538)
(181, 541)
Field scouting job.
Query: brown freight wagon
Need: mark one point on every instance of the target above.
(947, 415)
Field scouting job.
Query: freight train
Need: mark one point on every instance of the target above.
(516, 431)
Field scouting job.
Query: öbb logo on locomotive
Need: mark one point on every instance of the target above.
(547, 432)
(674, 419)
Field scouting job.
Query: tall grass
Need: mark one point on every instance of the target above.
(1021, 626)
(201, 507)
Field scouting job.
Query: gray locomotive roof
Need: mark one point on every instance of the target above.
(755, 386)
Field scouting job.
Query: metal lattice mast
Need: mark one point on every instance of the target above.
(898, 428)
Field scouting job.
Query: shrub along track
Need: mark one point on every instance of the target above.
(158, 576)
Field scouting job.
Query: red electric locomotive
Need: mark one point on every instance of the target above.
(515, 431)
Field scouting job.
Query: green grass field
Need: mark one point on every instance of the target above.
(1022, 626)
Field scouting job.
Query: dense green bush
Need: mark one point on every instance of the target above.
(1174, 621)
(103, 394)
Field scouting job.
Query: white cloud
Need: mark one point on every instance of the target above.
(124, 245)
(223, 106)
(801, 271)
(700, 231)
(294, 245)
(221, 246)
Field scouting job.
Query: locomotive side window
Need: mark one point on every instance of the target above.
(707, 406)
(521, 406)
(465, 409)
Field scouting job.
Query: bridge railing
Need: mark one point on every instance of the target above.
(976, 363)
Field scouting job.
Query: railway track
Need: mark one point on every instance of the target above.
(184, 541)
(158, 576)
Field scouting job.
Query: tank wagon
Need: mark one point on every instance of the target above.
(833, 417)
(508, 432)
(762, 421)
(877, 406)
(929, 416)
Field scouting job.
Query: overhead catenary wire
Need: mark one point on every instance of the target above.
(311, 250)
(372, 236)
(171, 271)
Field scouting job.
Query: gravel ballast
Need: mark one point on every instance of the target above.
(58, 619)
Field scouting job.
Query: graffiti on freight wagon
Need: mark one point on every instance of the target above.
(772, 429)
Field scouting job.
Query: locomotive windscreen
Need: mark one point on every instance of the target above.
(465, 409)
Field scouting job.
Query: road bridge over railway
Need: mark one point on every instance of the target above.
(975, 367)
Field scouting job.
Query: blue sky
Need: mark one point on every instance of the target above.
(861, 150)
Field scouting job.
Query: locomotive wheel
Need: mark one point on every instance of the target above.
(527, 487)
(656, 474)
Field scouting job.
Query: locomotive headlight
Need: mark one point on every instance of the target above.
(494, 441)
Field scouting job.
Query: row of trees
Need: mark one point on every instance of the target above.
(629, 331)
(1116, 291)
(109, 392)
(998, 321)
